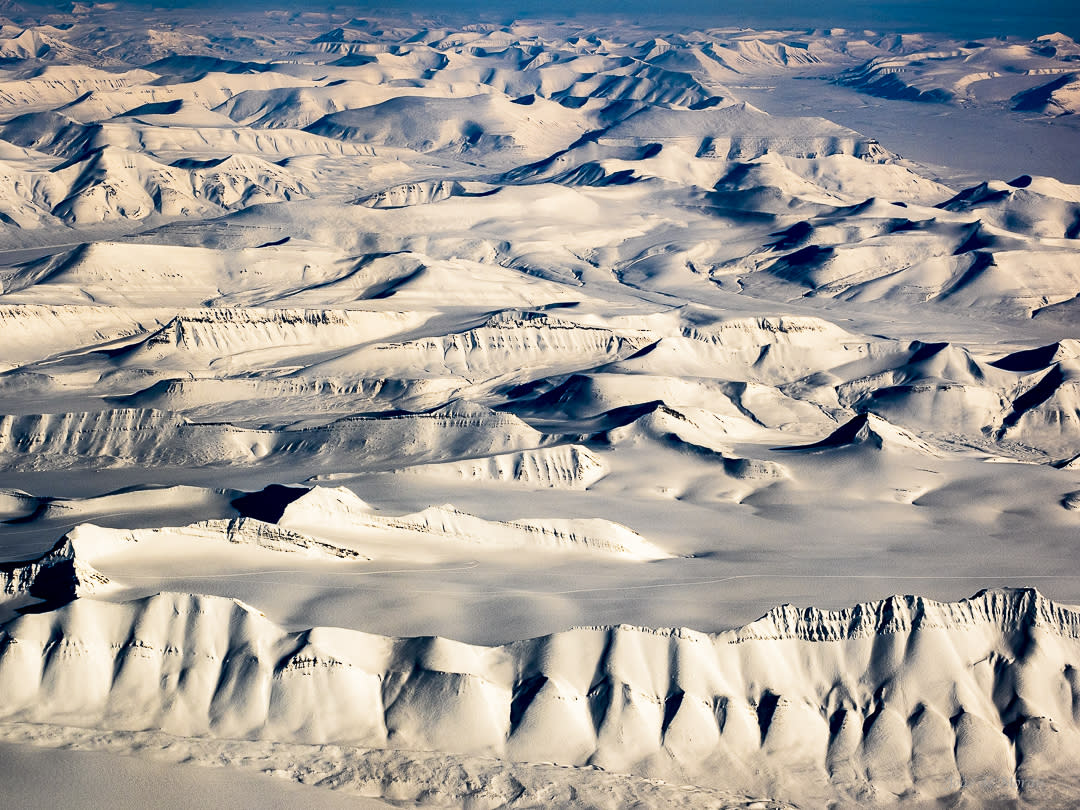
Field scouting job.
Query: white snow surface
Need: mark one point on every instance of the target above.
(428, 408)
(901, 695)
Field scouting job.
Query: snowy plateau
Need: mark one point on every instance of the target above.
(405, 411)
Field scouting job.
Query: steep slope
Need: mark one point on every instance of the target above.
(870, 431)
(568, 466)
(900, 695)
(772, 349)
(1059, 96)
(126, 274)
(722, 359)
(477, 125)
(523, 344)
(68, 569)
(32, 332)
(1046, 410)
(126, 438)
(108, 184)
(943, 390)
(972, 72)
(741, 131)
(342, 513)
(53, 85)
(57, 134)
(1038, 206)
(875, 252)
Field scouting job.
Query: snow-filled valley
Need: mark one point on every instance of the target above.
(538, 413)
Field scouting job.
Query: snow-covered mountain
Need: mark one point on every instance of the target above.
(376, 393)
(889, 697)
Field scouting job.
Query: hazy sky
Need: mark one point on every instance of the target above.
(964, 18)
(970, 18)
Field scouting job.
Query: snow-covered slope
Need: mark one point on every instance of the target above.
(67, 570)
(147, 438)
(341, 512)
(569, 465)
(1034, 75)
(408, 330)
(109, 183)
(904, 694)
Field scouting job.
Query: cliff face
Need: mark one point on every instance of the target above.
(1010, 611)
(125, 437)
(900, 697)
(66, 571)
(340, 510)
(56, 576)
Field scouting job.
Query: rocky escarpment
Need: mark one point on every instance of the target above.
(124, 437)
(56, 576)
(1009, 611)
(340, 511)
(901, 697)
(66, 571)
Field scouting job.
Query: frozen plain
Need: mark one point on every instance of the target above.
(451, 414)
